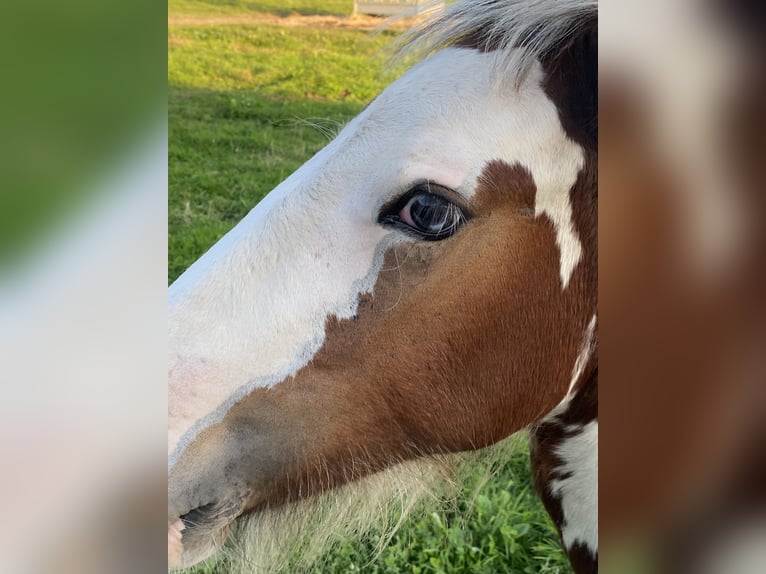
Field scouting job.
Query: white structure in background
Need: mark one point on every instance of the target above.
(393, 7)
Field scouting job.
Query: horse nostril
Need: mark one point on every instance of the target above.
(198, 516)
(213, 515)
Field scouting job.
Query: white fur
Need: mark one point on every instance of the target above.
(579, 492)
(558, 207)
(252, 310)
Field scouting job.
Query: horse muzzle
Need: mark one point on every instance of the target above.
(227, 471)
(199, 533)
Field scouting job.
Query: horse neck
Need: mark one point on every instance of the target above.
(564, 456)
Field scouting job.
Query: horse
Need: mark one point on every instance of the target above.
(425, 285)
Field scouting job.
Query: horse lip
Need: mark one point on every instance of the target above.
(198, 534)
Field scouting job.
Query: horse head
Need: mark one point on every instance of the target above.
(425, 284)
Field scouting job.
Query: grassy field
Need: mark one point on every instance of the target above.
(278, 7)
(248, 104)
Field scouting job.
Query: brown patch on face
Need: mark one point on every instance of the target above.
(463, 342)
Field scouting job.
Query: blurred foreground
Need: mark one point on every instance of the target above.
(83, 212)
(682, 285)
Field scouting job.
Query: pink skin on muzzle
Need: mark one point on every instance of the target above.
(175, 546)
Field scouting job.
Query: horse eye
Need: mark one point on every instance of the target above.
(426, 212)
(430, 214)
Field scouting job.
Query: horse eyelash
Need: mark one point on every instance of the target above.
(390, 214)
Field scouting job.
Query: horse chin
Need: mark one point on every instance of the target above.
(196, 546)
(190, 543)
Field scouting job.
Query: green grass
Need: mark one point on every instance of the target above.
(277, 7)
(493, 528)
(239, 100)
(277, 61)
(242, 101)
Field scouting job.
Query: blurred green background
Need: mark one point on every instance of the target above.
(83, 81)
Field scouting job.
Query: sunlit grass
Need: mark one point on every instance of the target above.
(488, 528)
(299, 62)
(278, 7)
